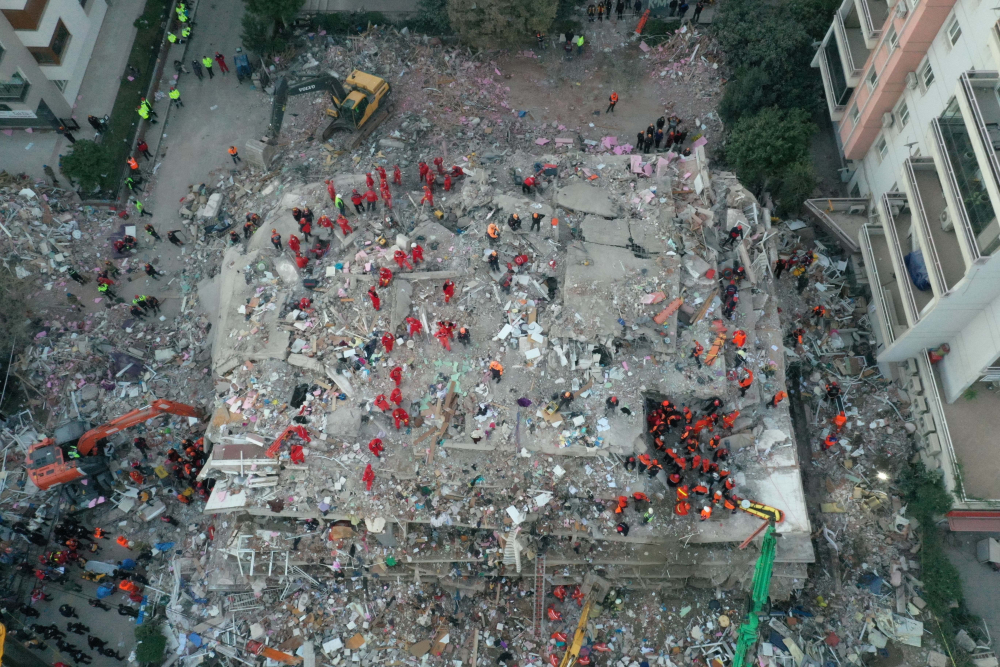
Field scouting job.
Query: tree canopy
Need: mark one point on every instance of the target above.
(497, 23)
(91, 165)
(761, 147)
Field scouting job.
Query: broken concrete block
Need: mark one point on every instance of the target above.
(584, 198)
(935, 659)
(302, 361)
(211, 209)
(89, 392)
(164, 355)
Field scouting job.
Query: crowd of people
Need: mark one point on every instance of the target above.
(664, 135)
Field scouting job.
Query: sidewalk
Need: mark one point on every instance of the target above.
(28, 151)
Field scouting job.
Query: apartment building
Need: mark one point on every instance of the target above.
(45, 47)
(914, 92)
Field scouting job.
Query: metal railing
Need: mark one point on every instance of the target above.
(877, 290)
(963, 221)
(838, 25)
(977, 115)
(941, 422)
(917, 205)
(14, 92)
(905, 289)
(867, 17)
(831, 93)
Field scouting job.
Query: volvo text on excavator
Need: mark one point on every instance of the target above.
(358, 103)
(76, 453)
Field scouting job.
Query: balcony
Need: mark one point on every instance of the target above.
(874, 14)
(888, 299)
(934, 224)
(960, 437)
(15, 90)
(904, 245)
(979, 107)
(842, 218)
(835, 86)
(851, 44)
(969, 207)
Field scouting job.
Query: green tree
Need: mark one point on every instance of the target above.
(749, 91)
(151, 643)
(815, 16)
(432, 18)
(91, 165)
(278, 12)
(496, 23)
(758, 36)
(797, 184)
(760, 147)
(257, 35)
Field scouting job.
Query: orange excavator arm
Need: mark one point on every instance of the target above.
(90, 439)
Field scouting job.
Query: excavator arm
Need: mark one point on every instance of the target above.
(90, 439)
(283, 90)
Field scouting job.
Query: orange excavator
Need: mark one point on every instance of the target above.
(75, 454)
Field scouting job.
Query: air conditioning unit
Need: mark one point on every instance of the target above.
(911, 80)
(901, 9)
(887, 119)
(946, 224)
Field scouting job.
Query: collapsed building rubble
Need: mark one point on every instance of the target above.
(314, 545)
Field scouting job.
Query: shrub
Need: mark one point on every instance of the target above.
(91, 165)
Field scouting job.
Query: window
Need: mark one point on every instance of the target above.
(1, 53)
(954, 31)
(856, 191)
(903, 114)
(872, 79)
(855, 114)
(882, 148)
(892, 39)
(53, 53)
(926, 75)
(61, 84)
(895, 187)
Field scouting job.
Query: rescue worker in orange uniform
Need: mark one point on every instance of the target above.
(840, 421)
(746, 382)
(777, 398)
(696, 353)
(740, 338)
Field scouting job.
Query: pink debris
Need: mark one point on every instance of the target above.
(701, 141)
(636, 164)
(541, 141)
(644, 46)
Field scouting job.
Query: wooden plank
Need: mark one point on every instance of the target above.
(704, 307)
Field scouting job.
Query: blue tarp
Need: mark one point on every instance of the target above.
(917, 269)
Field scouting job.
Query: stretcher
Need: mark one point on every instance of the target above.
(761, 511)
(713, 352)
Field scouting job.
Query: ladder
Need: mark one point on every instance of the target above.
(539, 614)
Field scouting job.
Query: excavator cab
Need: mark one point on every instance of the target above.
(356, 101)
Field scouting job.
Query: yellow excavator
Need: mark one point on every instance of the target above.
(358, 103)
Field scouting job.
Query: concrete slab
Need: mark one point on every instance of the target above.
(584, 198)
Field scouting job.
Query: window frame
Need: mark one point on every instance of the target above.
(898, 112)
(953, 24)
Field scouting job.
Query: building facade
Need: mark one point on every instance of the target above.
(914, 92)
(45, 47)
